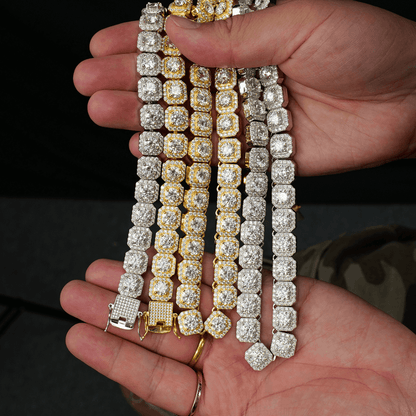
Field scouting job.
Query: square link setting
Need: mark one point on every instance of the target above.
(252, 232)
(281, 146)
(190, 272)
(284, 293)
(151, 21)
(251, 257)
(228, 224)
(174, 92)
(200, 149)
(269, 75)
(254, 208)
(173, 67)
(284, 318)
(149, 89)
(190, 322)
(143, 215)
(225, 272)
(150, 143)
(249, 305)
(176, 146)
(166, 241)
(258, 356)
(187, 296)
(135, 261)
(192, 248)
(201, 99)
(201, 124)
(254, 110)
(256, 184)
(163, 265)
(168, 47)
(249, 281)
(198, 175)
(176, 118)
(171, 194)
(225, 78)
(284, 268)
(278, 120)
(283, 196)
(275, 96)
(248, 330)
(196, 199)
(194, 223)
(258, 160)
(257, 134)
(146, 191)
(228, 125)
(160, 289)
(249, 87)
(283, 220)
(130, 285)
(227, 248)
(173, 171)
(283, 172)
(284, 244)
(229, 150)
(200, 76)
(169, 218)
(229, 175)
(229, 200)
(225, 297)
(149, 64)
(152, 116)
(139, 238)
(226, 101)
(283, 345)
(217, 324)
(149, 42)
(149, 167)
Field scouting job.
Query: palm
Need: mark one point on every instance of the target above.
(350, 355)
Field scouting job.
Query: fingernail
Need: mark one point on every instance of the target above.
(184, 23)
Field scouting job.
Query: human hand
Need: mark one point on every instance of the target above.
(351, 359)
(350, 70)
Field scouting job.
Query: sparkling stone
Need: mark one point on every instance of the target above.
(284, 293)
(248, 330)
(217, 324)
(201, 124)
(281, 146)
(149, 64)
(150, 143)
(258, 356)
(254, 109)
(261, 4)
(225, 272)
(199, 174)
(225, 297)
(135, 261)
(166, 241)
(283, 172)
(284, 318)
(152, 116)
(130, 285)
(283, 196)
(176, 145)
(220, 9)
(149, 89)
(249, 87)
(229, 200)
(284, 268)
(190, 322)
(160, 288)
(254, 208)
(229, 150)
(169, 48)
(153, 8)
(191, 247)
(190, 272)
(173, 171)
(164, 265)
(249, 280)
(284, 244)
(228, 224)
(273, 96)
(258, 159)
(200, 76)
(283, 345)
(251, 257)
(147, 191)
(226, 101)
(187, 296)
(256, 184)
(169, 218)
(283, 220)
(252, 232)
(268, 75)
(229, 175)
(139, 238)
(171, 194)
(278, 120)
(257, 134)
(149, 42)
(173, 67)
(196, 199)
(149, 167)
(176, 118)
(197, 225)
(143, 215)
(225, 78)
(174, 92)
(227, 248)
(249, 305)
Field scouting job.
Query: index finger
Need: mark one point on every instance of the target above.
(115, 40)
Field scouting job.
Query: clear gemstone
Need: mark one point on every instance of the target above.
(284, 244)
(150, 143)
(278, 120)
(149, 167)
(273, 96)
(139, 238)
(190, 271)
(248, 330)
(258, 159)
(249, 280)
(284, 293)
(249, 87)
(256, 184)
(283, 172)
(225, 297)
(187, 296)
(284, 318)
(173, 171)
(228, 224)
(252, 232)
(268, 75)
(251, 257)
(254, 109)
(135, 261)
(149, 41)
(283, 196)
(152, 116)
(258, 356)
(217, 324)
(281, 146)
(283, 220)
(149, 89)
(130, 285)
(257, 134)
(147, 191)
(151, 22)
(143, 214)
(283, 345)
(149, 64)
(160, 287)
(227, 248)
(284, 268)
(254, 208)
(190, 322)
(225, 272)
(249, 305)
(169, 217)
(166, 241)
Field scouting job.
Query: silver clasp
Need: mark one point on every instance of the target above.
(123, 312)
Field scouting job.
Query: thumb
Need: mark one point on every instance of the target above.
(261, 38)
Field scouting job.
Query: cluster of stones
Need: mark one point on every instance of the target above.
(194, 221)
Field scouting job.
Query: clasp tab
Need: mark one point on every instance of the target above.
(123, 312)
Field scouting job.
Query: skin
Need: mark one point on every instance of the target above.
(351, 72)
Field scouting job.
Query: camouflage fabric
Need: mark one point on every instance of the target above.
(377, 264)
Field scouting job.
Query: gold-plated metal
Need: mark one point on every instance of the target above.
(173, 67)
(198, 351)
(163, 265)
(174, 91)
(229, 150)
(160, 319)
(168, 48)
(201, 124)
(200, 149)
(176, 118)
